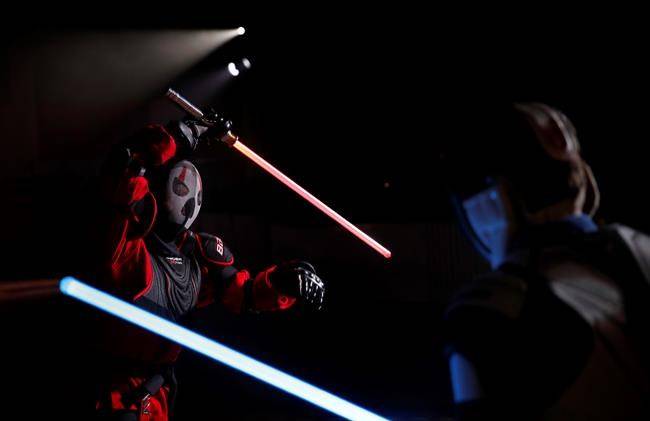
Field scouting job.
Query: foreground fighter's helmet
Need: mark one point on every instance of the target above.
(183, 195)
(518, 167)
(557, 136)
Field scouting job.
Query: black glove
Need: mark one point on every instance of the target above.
(192, 131)
(213, 127)
(298, 279)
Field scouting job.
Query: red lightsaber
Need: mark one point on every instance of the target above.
(234, 142)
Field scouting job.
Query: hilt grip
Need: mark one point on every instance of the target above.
(186, 105)
(229, 138)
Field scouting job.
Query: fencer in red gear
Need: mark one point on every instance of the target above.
(156, 262)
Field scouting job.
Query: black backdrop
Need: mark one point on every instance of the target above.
(356, 106)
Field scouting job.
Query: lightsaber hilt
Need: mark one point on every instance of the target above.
(183, 103)
(229, 138)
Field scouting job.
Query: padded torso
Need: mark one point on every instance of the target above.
(555, 334)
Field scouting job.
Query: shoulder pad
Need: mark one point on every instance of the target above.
(637, 242)
(496, 292)
(213, 250)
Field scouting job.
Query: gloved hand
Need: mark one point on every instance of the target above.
(298, 279)
(213, 126)
(192, 131)
(149, 147)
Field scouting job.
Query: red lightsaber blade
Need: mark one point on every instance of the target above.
(234, 142)
(246, 151)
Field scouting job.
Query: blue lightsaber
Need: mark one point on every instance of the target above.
(213, 349)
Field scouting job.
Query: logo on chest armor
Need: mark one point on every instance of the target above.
(174, 260)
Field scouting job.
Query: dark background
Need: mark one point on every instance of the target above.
(357, 107)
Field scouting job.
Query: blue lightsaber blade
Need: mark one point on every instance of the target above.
(213, 349)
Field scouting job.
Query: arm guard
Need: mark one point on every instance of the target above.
(132, 207)
(274, 289)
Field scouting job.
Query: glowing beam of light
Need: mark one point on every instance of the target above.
(233, 141)
(246, 151)
(213, 349)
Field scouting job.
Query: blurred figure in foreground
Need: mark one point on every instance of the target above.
(559, 328)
